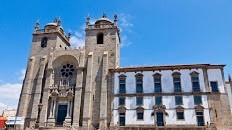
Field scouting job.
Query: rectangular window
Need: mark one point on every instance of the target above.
(122, 85)
(178, 100)
(157, 83)
(214, 86)
(139, 101)
(196, 85)
(121, 101)
(158, 100)
(139, 115)
(122, 119)
(177, 82)
(180, 115)
(139, 85)
(197, 100)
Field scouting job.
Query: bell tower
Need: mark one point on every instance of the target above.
(102, 52)
(44, 42)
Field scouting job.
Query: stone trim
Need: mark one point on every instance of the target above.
(171, 67)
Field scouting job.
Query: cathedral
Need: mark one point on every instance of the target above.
(86, 89)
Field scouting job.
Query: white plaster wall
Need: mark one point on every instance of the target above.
(166, 80)
(216, 75)
(169, 102)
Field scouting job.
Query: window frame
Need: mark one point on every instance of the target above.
(159, 81)
(181, 97)
(137, 101)
(137, 112)
(122, 77)
(120, 102)
(217, 89)
(178, 111)
(194, 99)
(195, 75)
(161, 100)
(174, 76)
(138, 78)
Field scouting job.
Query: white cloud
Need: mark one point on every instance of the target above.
(125, 42)
(10, 91)
(22, 74)
(125, 25)
(77, 40)
(124, 22)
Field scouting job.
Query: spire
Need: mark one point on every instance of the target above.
(229, 78)
(87, 21)
(104, 15)
(36, 26)
(115, 19)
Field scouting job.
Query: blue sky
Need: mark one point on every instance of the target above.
(153, 32)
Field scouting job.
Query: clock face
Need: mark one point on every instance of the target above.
(44, 42)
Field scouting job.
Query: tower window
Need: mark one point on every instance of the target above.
(100, 38)
(44, 42)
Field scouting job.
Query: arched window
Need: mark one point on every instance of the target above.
(44, 42)
(100, 38)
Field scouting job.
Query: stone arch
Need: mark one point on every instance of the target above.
(65, 70)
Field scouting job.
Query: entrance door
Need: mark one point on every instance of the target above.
(122, 119)
(62, 112)
(200, 119)
(160, 119)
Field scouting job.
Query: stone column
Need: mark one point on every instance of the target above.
(78, 97)
(26, 89)
(88, 94)
(51, 119)
(68, 118)
(38, 89)
(103, 101)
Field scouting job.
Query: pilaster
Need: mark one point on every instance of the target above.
(78, 97)
(37, 94)
(88, 94)
(26, 89)
(103, 101)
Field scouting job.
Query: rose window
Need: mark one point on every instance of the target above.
(67, 70)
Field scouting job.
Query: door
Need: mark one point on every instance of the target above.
(122, 119)
(200, 119)
(61, 114)
(160, 119)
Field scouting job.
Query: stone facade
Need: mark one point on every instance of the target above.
(66, 88)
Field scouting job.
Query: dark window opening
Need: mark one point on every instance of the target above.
(122, 85)
(139, 101)
(121, 101)
(158, 100)
(44, 42)
(180, 115)
(100, 38)
(140, 115)
(197, 100)
(214, 86)
(179, 100)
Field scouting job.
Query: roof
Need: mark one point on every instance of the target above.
(102, 19)
(165, 67)
(3, 118)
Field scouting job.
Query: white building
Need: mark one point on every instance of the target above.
(166, 95)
